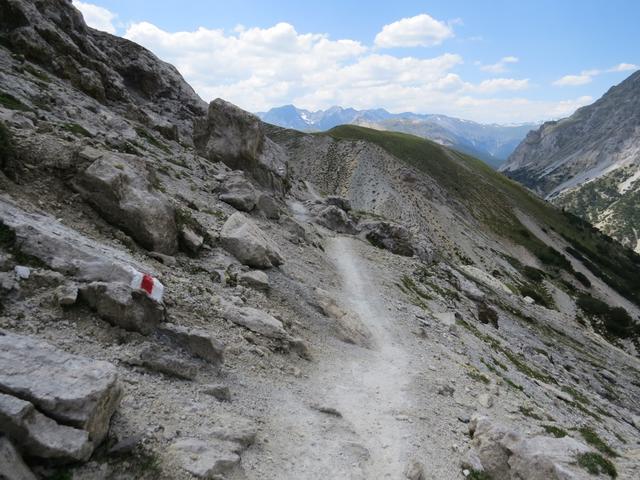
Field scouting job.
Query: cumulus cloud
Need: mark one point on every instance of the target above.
(586, 76)
(419, 31)
(501, 65)
(573, 80)
(259, 68)
(97, 17)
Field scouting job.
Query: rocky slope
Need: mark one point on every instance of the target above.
(491, 143)
(589, 163)
(186, 292)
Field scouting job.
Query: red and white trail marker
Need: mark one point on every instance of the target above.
(149, 284)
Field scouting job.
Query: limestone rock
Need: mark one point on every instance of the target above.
(507, 454)
(241, 237)
(12, 467)
(61, 248)
(254, 279)
(268, 206)
(348, 327)
(395, 238)
(336, 219)
(256, 321)
(123, 306)
(40, 436)
(235, 137)
(198, 342)
(70, 389)
(117, 186)
(205, 459)
(191, 241)
(154, 359)
(67, 295)
(238, 192)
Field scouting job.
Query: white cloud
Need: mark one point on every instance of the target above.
(419, 31)
(500, 84)
(624, 67)
(586, 76)
(573, 80)
(501, 65)
(259, 68)
(97, 17)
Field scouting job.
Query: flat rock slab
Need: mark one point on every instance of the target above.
(205, 459)
(73, 390)
(196, 341)
(40, 436)
(256, 321)
(63, 249)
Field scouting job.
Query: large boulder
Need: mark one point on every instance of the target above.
(124, 307)
(118, 187)
(396, 238)
(72, 390)
(241, 237)
(336, 219)
(237, 138)
(507, 454)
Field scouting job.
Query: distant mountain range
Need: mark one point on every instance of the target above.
(492, 143)
(589, 163)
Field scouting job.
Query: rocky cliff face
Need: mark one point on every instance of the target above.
(186, 292)
(589, 163)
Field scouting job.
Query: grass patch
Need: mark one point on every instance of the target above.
(152, 140)
(513, 384)
(77, 130)
(529, 412)
(555, 431)
(595, 464)
(12, 103)
(478, 377)
(593, 439)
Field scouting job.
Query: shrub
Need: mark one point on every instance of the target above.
(582, 278)
(614, 321)
(533, 274)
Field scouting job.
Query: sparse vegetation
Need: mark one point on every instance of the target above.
(77, 130)
(593, 439)
(9, 101)
(595, 464)
(529, 412)
(610, 321)
(555, 431)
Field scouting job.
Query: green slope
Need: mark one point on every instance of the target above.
(492, 198)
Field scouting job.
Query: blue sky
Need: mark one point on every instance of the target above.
(490, 61)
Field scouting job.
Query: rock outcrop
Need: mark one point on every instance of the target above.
(507, 454)
(118, 187)
(237, 138)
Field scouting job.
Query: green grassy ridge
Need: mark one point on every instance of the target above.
(492, 200)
